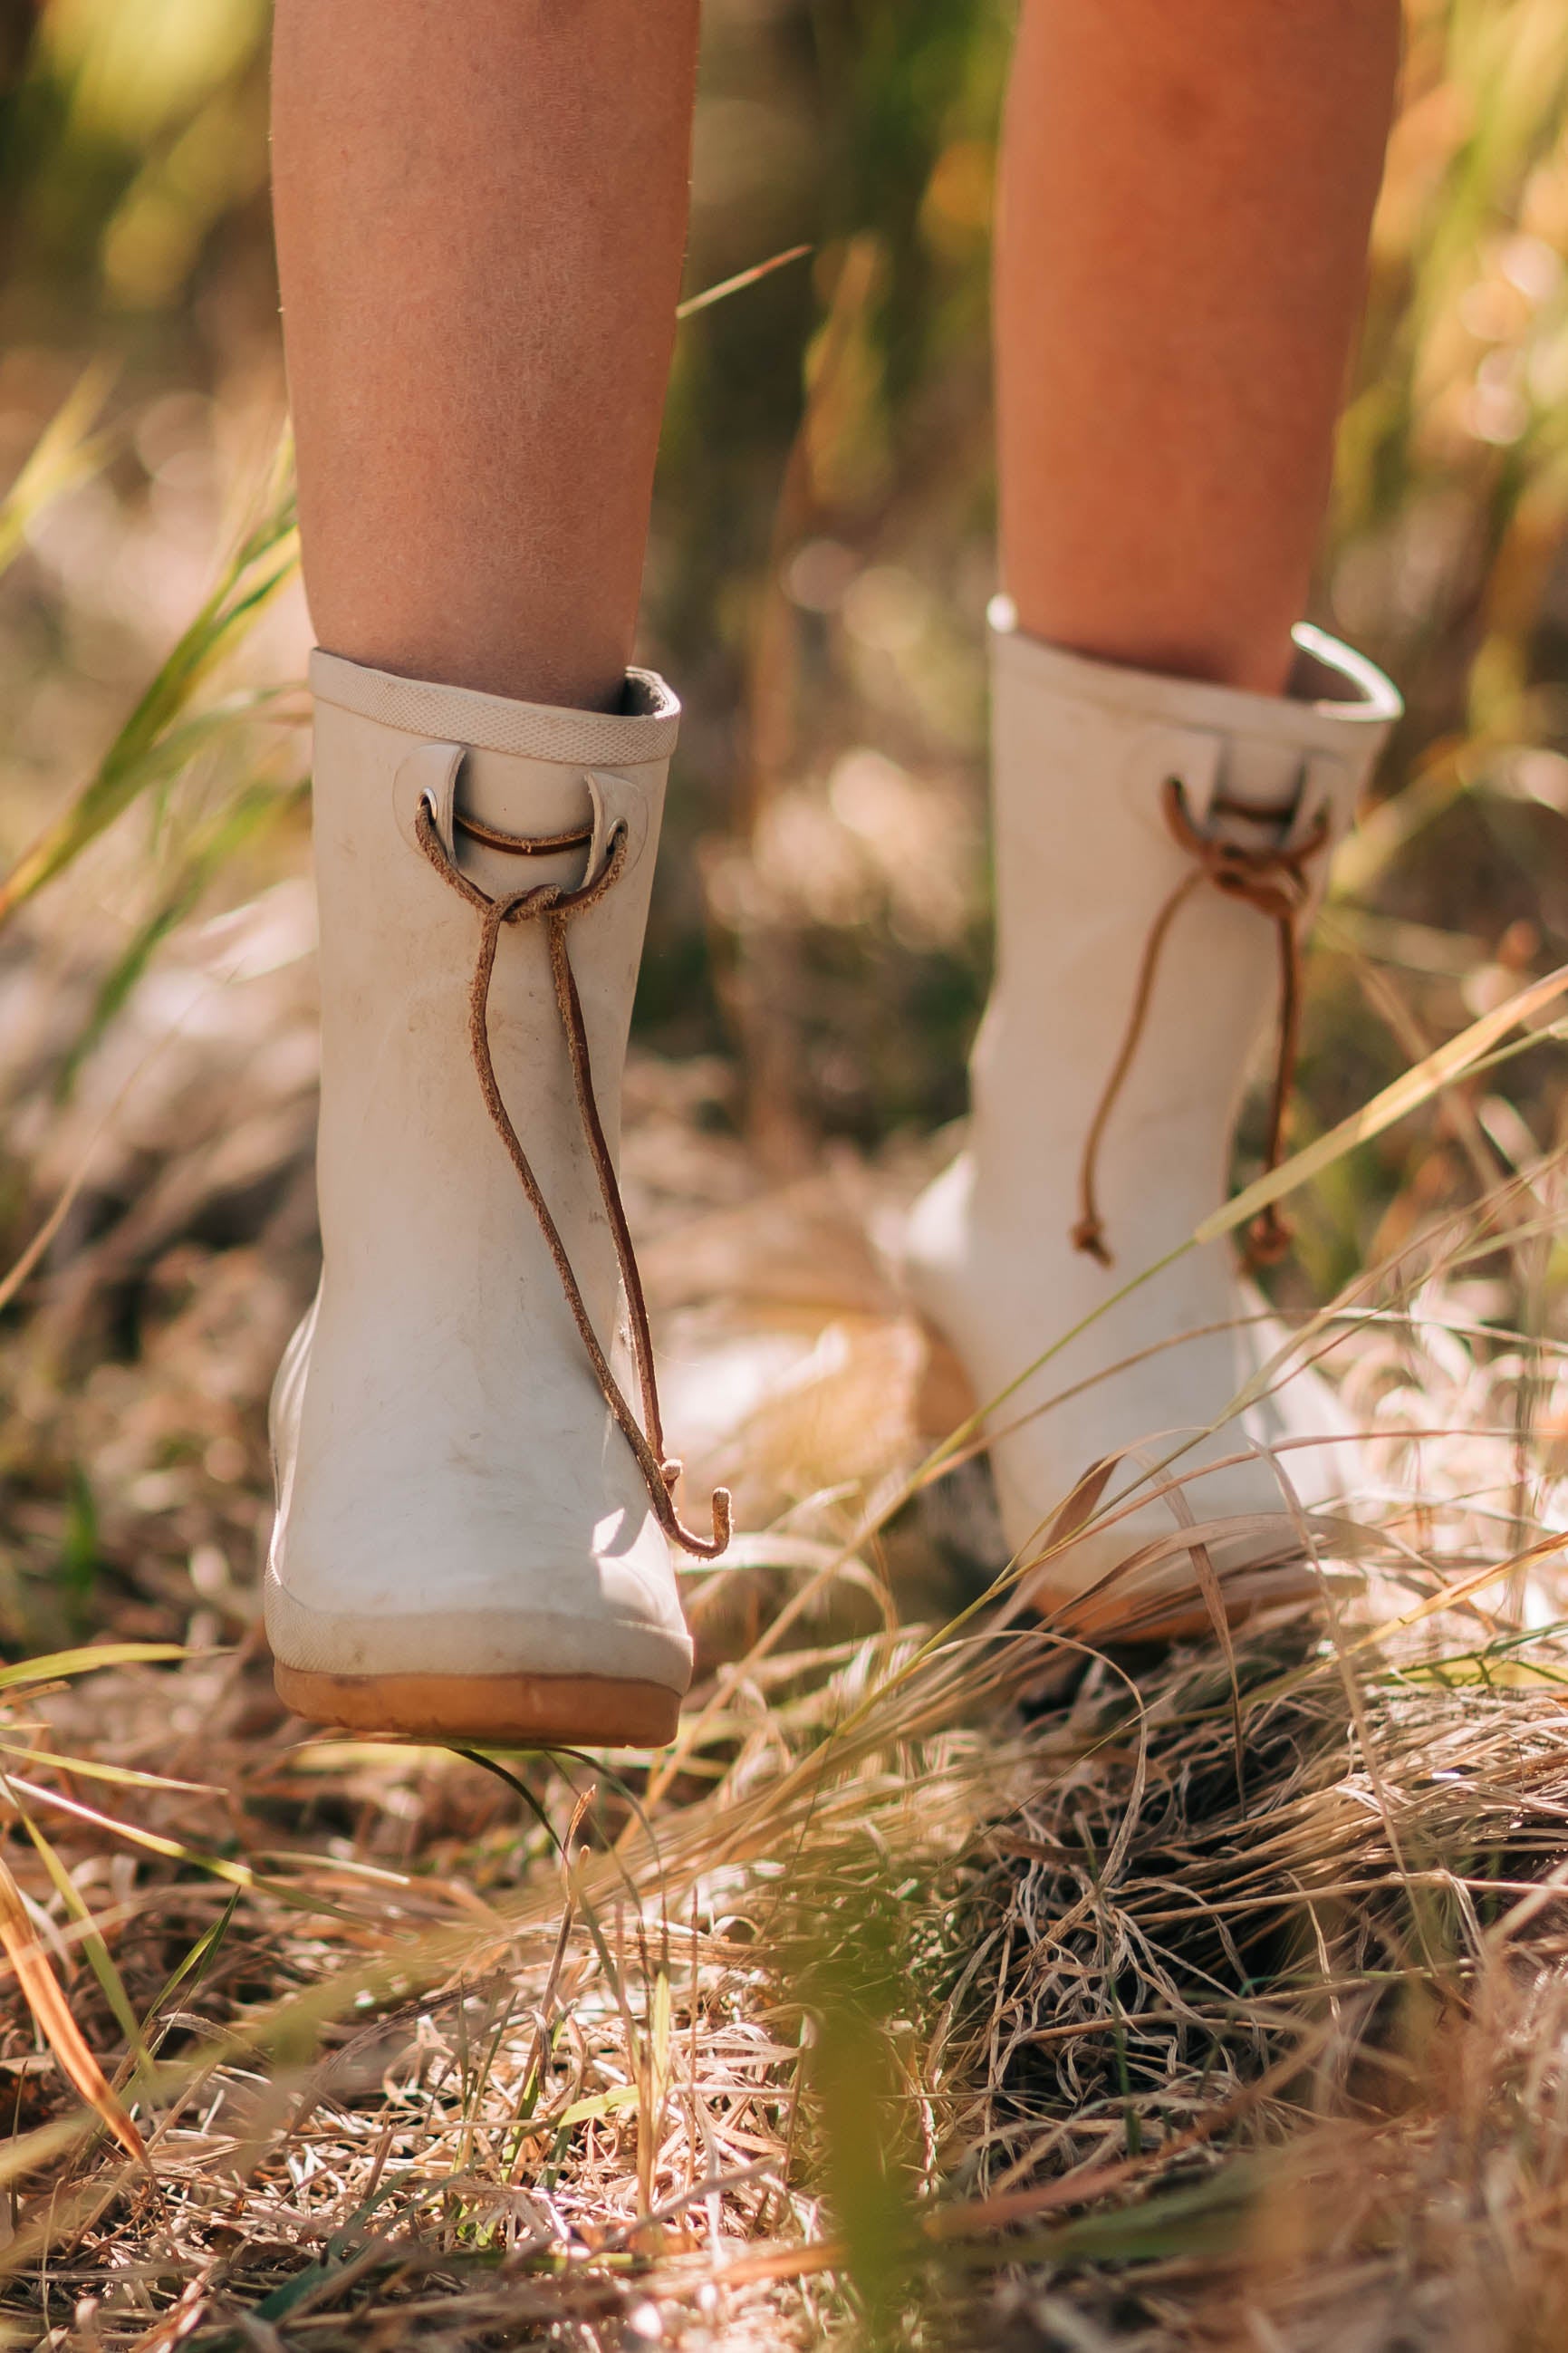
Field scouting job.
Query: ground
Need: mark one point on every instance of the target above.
(944, 1986)
(950, 1984)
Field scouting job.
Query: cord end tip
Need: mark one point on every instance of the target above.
(1269, 1238)
(723, 1521)
(1089, 1236)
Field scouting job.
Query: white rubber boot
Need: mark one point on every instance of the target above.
(1158, 844)
(472, 1531)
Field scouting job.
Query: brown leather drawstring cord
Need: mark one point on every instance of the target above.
(1274, 880)
(548, 904)
(540, 845)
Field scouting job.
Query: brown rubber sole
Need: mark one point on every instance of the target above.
(1110, 1615)
(514, 1711)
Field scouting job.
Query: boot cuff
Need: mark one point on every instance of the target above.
(1331, 687)
(643, 731)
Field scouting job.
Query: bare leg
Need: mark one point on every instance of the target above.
(1187, 191)
(481, 212)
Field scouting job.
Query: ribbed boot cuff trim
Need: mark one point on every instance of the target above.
(1333, 688)
(643, 733)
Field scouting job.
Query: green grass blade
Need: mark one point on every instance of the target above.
(201, 1952)
(123, 1776)
(248, 813)
(1407, 1094)
(99, 1959)
(149, 746)
(63, 456)
(87, 1660)
(742, 279)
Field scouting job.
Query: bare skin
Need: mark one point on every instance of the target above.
(1187, 191)
(482, 214)
(481, 208)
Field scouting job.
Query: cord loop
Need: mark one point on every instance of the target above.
(548, 904)
(1272, 879)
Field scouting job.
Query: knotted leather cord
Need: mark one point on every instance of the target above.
(1274, 880)
(547, 902)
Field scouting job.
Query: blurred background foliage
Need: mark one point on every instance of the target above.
(816, 586)
(820, 564)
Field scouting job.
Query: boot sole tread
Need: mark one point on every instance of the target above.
(506, 1711)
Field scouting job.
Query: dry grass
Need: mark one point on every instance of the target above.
(951, 1983)
(934, 1988)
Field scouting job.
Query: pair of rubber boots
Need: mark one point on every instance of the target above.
(474, 1518)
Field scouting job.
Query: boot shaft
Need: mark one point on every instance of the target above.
(1086, 864)
(407, 1148)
